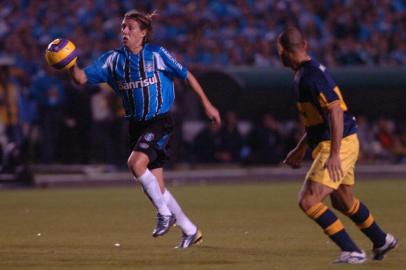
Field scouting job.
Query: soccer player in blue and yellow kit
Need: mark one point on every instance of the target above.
(331, 134)
(142, 75)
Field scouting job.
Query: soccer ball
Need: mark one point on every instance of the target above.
(61, 54)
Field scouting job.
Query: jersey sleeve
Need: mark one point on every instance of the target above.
(169, 64)
(325, 88)
(99, 71)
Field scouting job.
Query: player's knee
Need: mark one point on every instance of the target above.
(306, 202)
(342, 202)
(339, 206)
(344, 206)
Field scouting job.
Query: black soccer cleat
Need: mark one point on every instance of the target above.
(164, 223)
(189, 240)
(390, 243)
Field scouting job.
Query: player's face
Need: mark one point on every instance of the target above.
(132, 34)
(284, 56)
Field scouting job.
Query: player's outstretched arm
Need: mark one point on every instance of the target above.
(295, 157)
(78, 75)
(211, 111)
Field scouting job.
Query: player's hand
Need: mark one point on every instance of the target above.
(213, 114)
(333, 166)
(295, 157)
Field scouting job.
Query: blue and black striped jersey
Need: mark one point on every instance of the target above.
(316, 90)
(144, 81)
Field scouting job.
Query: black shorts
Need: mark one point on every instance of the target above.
(152, 138)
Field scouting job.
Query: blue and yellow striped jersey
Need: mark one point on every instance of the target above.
(316, 90)
(144, 81)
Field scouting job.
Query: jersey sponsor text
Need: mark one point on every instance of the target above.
(137, 84)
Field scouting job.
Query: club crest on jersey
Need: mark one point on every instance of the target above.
(137, 84)
(144, 145)
(149, 137)
(149, 66)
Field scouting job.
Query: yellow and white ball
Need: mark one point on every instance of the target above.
(61, 54)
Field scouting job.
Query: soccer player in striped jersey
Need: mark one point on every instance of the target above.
(142, 75)
(331, 134)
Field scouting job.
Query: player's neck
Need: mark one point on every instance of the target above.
(135, 49)
(300, 59)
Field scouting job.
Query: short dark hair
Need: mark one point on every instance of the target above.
(144, 20)
(292, 39)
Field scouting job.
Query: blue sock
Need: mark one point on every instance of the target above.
(360, 214)
(332, 226)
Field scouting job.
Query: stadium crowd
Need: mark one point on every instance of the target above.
(208, 32)
(57, 122)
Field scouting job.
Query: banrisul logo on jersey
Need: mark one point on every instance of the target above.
(137, 84)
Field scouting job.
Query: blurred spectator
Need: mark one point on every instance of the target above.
(386, 137)
(28, 116)
(207, 145)
(49, 94)
(11, 136)
(401, 143)
(366, 138)
(266, 142)
(75, 140)
(231, 140)
(103, 117)
(179, 147)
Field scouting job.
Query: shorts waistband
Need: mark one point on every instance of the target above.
(156, 118)
(326, 144)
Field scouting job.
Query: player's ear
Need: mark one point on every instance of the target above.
(305, 44)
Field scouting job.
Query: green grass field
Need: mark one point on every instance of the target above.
(245, 226)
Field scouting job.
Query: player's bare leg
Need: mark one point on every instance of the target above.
(137, 163)
(311, 197)
(343, 200)
(190, 234)
(312, 193)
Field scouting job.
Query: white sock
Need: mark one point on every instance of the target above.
(181, 219)
(151, 188)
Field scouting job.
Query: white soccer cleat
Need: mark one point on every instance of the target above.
(390, 243)
(189, 240)
(351, 257)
